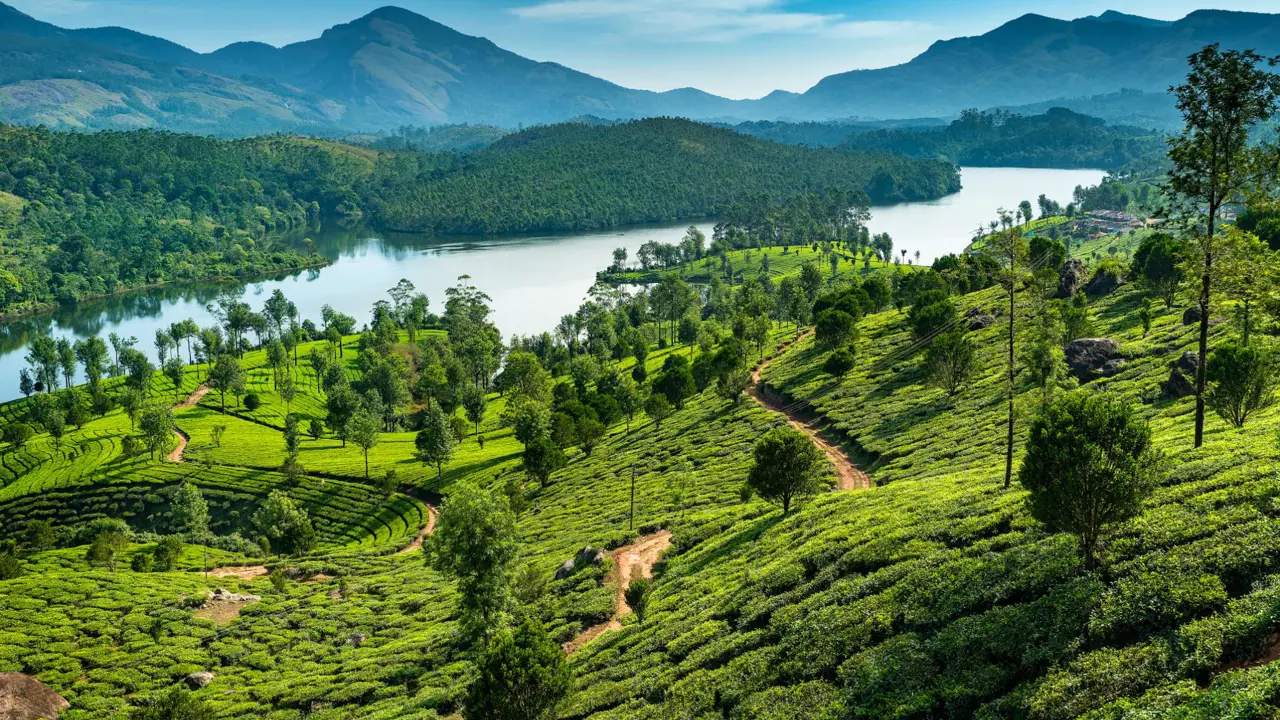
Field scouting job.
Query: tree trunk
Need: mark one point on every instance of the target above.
(1008, 458)
(1205, 287)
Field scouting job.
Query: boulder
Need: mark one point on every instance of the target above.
(26, 698)
(356, 639)
(584, 557)
(1103, 283)
(978, 322)
(1182, 376)
(1191, 315)
(197, 680)
(1091, 358)
(1071, 277)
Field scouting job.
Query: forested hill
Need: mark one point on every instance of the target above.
(580, 176)
(87, 214)
(1058, 138)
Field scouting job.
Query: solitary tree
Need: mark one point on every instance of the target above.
(1089, 463)
(543, 456)
(156, 425)
(1009, 249)
(473, 404)
(522, 675)
(226, 376)
(1244, 380)
(950, 361)
(475, 541)
(1227, 93)
(362, 429)
(658, 408)
(106, 548)
(189, 513)
(786, 467)
(434, 442)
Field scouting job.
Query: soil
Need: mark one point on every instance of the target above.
(849, 475)
(430, 528)
(634, 560)
(183, 438)
(240, 572)
(222, 613)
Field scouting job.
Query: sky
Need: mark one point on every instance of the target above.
(734, 48)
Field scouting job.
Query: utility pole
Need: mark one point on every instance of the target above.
(631, 524)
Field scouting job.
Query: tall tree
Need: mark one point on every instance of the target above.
(475, 541)
(1008, 247)
(786, 467)
(1227, 93)
(521, 675)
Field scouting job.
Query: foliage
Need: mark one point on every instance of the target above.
(521, 674)
(475, 542)
(949, 361)
(785, 467)
(1244, 380)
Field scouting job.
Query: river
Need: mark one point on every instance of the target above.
(533, 280)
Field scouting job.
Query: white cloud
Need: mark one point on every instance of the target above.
(709, 20)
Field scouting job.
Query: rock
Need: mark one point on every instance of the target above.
(584, 557)
(197, 680)
(1181, 382)
(1103, 283)
(1070, 277)
(224, 595)
(978, 322)
(356, 639)
(26, 698)
(1091, 358)
(1191, 315)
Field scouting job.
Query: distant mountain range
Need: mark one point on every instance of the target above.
(393, 67)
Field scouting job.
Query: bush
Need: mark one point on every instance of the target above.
(932, 312)
(834, 328)
(950, 361)
(1244, 380)
(252, 402)
(839, 363)
(141, 562)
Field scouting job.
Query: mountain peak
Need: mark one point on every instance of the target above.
(1115, 16)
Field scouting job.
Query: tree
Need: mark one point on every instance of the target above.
(188, 511)
(173, 371)
(658, 408)
(362, 429)
(226, 376)
(340, 405)
(637, 596)
(1008, 248)
(92, 354)
(17, 434)
(292, 436)
(26, 385)
(1088, 463)
(280, 519)
(176, 704)
(732, 384)
(522, 675)
(1157, 266)
(473, 404)
(542, 457)
(931, 313)
(167, 552)
(434, 442)
(475, 541)
(1227, 93)
(786, 467)
(523, 377)
(530, 420)
(156, 425)
(676, 381)
(834, 328)
(106, 548)
(1244, 380)
(66, 361)
(1043, 356)
(589, 432)
(388, 483)
(950, 361)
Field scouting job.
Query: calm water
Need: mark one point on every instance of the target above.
(533, 280)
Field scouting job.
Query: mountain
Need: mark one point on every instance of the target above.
(392, 68)
(1033, 59)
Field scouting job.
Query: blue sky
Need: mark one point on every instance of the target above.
(736, 48)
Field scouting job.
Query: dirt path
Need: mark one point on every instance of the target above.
(638, 558)
(849, 476)
(430, 528)
(183, 438)
(240, 572)
(193, 398)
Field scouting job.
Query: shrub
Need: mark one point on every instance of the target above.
(839, 363)
(140, 562)
(834, 328)
(522, 675)
(932, 312)
(637, 596)
(252, 402)
(1089, 463)
(950, 361)
(1244, 380)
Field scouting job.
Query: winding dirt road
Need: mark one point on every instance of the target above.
(849, 476)
(176, 454)
(432, 513)
(629, 561)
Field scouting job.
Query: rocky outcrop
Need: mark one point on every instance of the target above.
(1103, 283)
(1092, 358)
(222, 595)
(26, 698)
(978, 322)
(197, 680)
(585, 557)
(1191, 315)
(1071, 277)
(1182, 376)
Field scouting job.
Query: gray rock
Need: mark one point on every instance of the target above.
(356, 639)
(584, 557)
(25, 698)
(1103, 283)
(1181, 382)
(978, 322)
(197, 680)
(1091, 358)
(1071, 277)
(1191, 315)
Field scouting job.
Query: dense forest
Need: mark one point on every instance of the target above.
(1058, 138)
(579, 176)
(84, 215)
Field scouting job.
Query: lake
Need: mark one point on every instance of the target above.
(533, 280)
